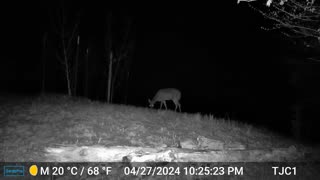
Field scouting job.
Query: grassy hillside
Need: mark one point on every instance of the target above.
(28, 125)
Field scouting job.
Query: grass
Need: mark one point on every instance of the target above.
(29, 125)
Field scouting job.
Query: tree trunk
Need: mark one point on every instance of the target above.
(65, 48)
(126, 88)
(296, 108)
(109, 78)
(76, 68)
(86, 82)
(128, 64)
(114, 78)
(67, 68)
(296, 121)
(67, 71)
(108, 43)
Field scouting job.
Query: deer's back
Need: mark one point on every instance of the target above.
(167, 94)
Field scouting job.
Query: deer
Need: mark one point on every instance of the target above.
(164, 95)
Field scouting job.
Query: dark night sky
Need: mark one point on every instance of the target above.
(216, 54)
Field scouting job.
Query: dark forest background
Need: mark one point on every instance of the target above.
(217, 55)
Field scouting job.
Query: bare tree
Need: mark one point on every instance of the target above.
(67, 30)
(86, 73)
(122, 58)
(119, 60)
(76, 67)
(108, 43)
(299, 20)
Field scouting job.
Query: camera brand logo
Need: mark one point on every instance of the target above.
(13, 170)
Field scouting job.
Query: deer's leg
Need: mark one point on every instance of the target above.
(161, 105)
(178, 106)
(165, 104)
